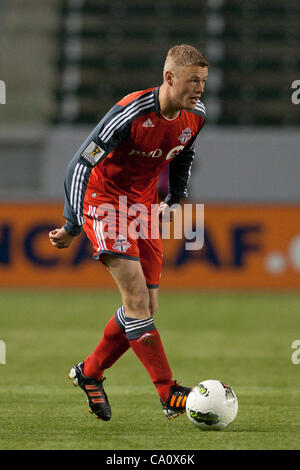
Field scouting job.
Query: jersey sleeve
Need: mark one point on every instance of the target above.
(111, 130)
(179, 173)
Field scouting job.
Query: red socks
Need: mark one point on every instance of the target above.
(149, 349)
(119, 334)
(111, 347)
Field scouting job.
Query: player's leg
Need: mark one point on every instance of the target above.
(153, 301)
(88, 374)
(114, 342)
(140, 330)
(110, 348)
(142, 334)
(141, 302)
(129, 278)
(150, 251)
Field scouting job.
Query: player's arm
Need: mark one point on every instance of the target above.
(179, 174)
(181, 166)
(111, 130)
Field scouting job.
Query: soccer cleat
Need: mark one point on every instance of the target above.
(175, 404)
(93, 388)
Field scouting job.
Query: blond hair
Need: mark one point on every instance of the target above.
(184, 55)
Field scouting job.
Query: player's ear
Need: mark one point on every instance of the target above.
(169, 77)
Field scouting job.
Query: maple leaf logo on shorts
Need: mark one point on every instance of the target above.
(121, 244)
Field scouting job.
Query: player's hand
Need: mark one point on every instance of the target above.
(60, 238)
(166, 212)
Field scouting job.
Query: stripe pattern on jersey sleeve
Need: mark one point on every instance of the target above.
(78, 186)
(130, 112)
(200, 108)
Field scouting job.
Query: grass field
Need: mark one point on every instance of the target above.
(242, 339)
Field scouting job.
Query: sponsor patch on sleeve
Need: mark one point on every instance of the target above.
(92, 153)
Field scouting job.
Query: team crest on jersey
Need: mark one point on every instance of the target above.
(121, 244)
(92, 153)
(185, 135)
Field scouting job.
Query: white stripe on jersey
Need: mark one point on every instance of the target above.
(95, 221)
(100, 245)
(79, 198)
(128, 117)
(101, 235)
(128, 113)
(200, 107)
(76, 190)
(202, 110)
(119, 116)
(98, 229)
(73, 183)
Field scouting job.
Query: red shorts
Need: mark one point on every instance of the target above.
(118, 236)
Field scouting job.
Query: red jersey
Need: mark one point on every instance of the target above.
(127, 151)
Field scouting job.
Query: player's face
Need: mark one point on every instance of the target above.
(188, 85)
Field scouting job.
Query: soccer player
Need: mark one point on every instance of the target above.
(124, 156)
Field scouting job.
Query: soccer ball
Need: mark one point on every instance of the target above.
(212, 405)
